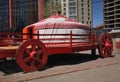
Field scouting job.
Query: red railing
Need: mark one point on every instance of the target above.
(8, 38)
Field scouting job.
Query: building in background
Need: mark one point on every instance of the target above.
(25, 12)
(69, 8)
(80, 10)
(112, 14)
(84, 11)
(4, 23)
(112, 19)
(16, 14)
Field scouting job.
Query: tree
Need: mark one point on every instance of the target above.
(51, 7)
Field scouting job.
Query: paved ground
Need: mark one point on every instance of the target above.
(110, 73)
(64, 68)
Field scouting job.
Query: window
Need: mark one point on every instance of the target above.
(72, 8)
(72, 0)
(72, 4)
(82, 21)
(64, 9)
(64, 0)
(82, 4)
(88, 1)
(72, 12)
(82, 17)
(82, 13)
(64, 13)
(72, 17)
(88, 14)
(88, 18)
(88, 5)
(64, 5)
(87, 22)
(88, 10)
(82, 9)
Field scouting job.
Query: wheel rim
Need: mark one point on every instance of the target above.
(32, 55)
(105, 45)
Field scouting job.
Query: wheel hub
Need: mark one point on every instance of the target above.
(107, 45)
(33, 55)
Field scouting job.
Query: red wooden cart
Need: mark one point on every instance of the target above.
(54, 35)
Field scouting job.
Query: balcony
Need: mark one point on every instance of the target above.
(108, 1)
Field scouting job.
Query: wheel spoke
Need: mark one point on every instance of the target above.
(27, 51)
(109, 51)
(40, 51)
(32, 63)
(106, 52)
(39, 60)
(110, 41)
(27, 59)
(33, 47)
(104, 38)
(102, 43)
(103, 50)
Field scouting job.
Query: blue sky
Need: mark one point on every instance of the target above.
(97, 12)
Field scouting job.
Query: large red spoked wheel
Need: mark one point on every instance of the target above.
(32, 55)
(105, 45)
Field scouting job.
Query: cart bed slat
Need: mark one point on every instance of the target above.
(8, 47)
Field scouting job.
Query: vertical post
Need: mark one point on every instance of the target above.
(71, 38)
(91, 26)
(38, 34)
(10, 13)
(89, 36)
(40, 9)
(8, 36)
(31, 11)
(11, 10)
(93, 38)
(77, 11)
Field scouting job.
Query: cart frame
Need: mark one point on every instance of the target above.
(32, 54)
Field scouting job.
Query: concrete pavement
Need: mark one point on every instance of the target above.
(69, 64)
(110, 73)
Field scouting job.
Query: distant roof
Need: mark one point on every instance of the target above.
(115, 30)
(100, 26)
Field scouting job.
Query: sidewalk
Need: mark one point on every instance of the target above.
(109, 73)
(62, 69)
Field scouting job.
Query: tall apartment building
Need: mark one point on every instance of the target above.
(69, 8)
(19, 13)
(84, 13)
(80, 10)
(112, 13)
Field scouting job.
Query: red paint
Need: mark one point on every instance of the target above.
(118, 45)
(105, 45)
(32, 53)
(108, 45)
